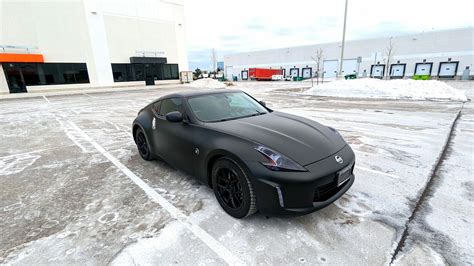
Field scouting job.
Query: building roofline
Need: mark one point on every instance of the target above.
(353, 40)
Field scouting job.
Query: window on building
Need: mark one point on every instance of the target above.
(166, 72)
(174, 71)
(31, 74)
(67, 72)
(51, 74)
(122, 72)
(80, 73)
(138, 72)
(170, 71)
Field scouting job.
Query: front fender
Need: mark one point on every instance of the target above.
(214, 144)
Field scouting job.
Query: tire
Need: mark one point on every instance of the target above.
(142, 145)
(233, 189)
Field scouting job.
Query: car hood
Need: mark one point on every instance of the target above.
(303, 140)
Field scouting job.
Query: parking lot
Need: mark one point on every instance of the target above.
(73, 188)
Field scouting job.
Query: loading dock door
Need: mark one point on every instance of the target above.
(423, 68)
(448, 69)
(295, 72)
(307, 72)
(245, 75)
(397, 71)
(229, 72)
(377, 71)
(349, 66)
(330, 68)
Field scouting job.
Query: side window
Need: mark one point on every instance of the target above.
(156, 107)
(170, 105)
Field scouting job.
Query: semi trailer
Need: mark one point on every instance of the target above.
(264, 73)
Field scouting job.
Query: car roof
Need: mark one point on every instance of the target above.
(197, 92)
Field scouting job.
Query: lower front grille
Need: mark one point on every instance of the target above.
(325, 192)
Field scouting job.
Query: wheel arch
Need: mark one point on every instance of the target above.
(135, 128)
(216, 155)
(134, 131)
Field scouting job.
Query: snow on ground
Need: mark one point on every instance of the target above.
(71, 205)
(389, 89)
(466, 86)
(267, 86)
(449, 213)
(207, 83)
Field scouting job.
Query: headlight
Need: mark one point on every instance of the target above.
(278, 162)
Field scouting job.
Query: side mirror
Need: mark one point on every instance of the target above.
(174, 116)
(263, 103)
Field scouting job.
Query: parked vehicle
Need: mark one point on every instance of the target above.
(277, 77)
(254, 158)
(263, 73)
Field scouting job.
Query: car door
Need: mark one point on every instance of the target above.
(173, 140)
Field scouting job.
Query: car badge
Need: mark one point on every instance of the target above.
(153, 123)
(338, 159)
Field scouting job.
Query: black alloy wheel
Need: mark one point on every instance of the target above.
(142, 145)
(229, 188)
(233, 189)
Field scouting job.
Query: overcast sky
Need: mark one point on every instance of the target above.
(248, 25)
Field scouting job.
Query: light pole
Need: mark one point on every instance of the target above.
(343, 40)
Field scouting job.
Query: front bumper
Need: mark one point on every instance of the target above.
(299, 193)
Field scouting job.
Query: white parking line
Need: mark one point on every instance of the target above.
(46, 99)
(377, 172)
(210, 241)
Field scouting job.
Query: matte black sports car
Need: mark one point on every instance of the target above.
(254, 158)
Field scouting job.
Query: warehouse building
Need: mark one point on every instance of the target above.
(443, 54)
(49, 45)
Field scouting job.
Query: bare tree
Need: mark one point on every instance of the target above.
(317, 59)
(389, 52)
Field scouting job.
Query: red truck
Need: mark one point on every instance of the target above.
(263, 73)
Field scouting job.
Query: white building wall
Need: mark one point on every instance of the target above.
(58, 29)
(99, 65)
(150, 26)
(180, 29)
(95, 32)
(435, 47)
(127, 36)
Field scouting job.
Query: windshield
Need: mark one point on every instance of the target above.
(224, 106)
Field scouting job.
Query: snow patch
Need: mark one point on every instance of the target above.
(420, 254)
(13, 164)
(207, 83)
(148, 250)
(388, 89)
(110, 217)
